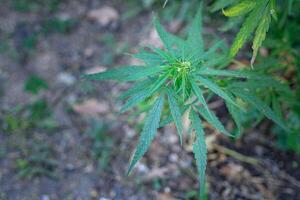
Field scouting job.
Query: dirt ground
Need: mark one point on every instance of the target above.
(82, 148)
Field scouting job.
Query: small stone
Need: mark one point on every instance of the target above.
(95, 70)
(167, 190)
(94, 194)
(173, 157)
(104, 15)
(45, 197)
(89, 168)
(70, 167)
(66, 78)
(142, 168)
(89, 52)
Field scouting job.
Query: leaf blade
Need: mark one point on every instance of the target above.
(216, 89)
(261, 106)
(128, 73)
(176, 114)
(248, 27)
(200, 150)
(148, 133)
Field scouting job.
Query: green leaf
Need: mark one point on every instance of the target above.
(169, 40)
(170, 119)
(166, 56)
(273, 10)
(135, 89)
(229, 73)
(136, 99)
(199, 149)
(34, 84)
(261, 106)
(195, 40)
(150, 59)
(216, 89)
(199, 94)
(247, 28)
(176, 114)
(129, 73)
(148, 133)
(264, 83)
(241, 8)
(236, 116)
(212, 119)
(142, 95)
(260, 33)
(219, 44)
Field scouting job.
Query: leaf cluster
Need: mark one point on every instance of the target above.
(183, 78)
(257, 18)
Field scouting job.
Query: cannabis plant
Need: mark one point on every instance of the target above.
(257, 15)
(180, 80)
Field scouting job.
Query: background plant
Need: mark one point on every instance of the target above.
(256, 17)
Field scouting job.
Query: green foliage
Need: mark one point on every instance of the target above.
(35, 5)
(56, 25)
(187, 74)
(257, 16)
(175, 111)
(199, 149)
(36, 160)
(35, 114)
(149, 132)
(102, 144)
(34, 84)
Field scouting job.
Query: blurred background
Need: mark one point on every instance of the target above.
(61, 137)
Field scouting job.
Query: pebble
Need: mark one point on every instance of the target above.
(66, 78)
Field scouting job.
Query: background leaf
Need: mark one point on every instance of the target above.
(241, 8)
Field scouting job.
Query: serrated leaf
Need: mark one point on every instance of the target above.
(240, 8)
(150, 59)
(195, 40)
(216, 89)
(166, 56)
(264, 83)
(129, 73)
(260, 33)
(176, 114)
(261, 106)
(236, 116)
(219, 44)
(212, 119)
(248, 27)
(142, 95)
(170, 119)
(199, 94)
(199, 149)
(148, 133)
(136, 99)
(135, 89)
(229, 73)
(169, 40)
